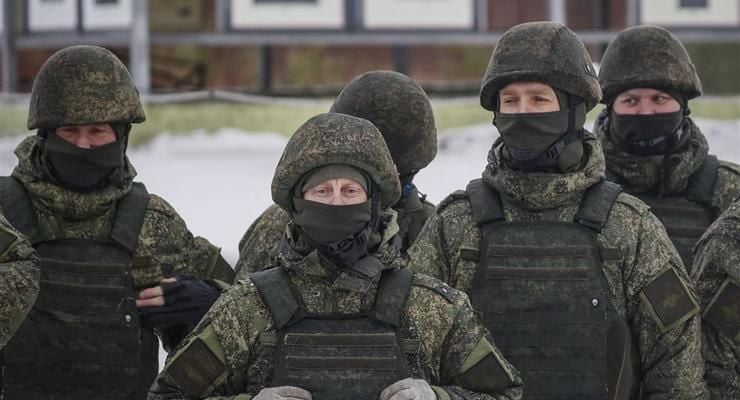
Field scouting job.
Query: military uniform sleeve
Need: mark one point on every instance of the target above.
(727, 187)
(716, 277)
(19, 280)
(217, 360)
(448, 246)
(261, 243)
(166, 248)
(660, 308)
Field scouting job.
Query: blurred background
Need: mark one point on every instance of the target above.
(226, 81)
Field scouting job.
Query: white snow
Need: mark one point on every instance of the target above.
(219, 183)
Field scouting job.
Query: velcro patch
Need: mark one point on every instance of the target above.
(196, 369)
(723, 312)
(487, 372)
(670, 300)
(7, 240)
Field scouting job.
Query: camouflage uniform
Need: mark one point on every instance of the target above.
(20, 279)
(716, 278)
(688, 178)
(632, 246)
(97, 248)
(401, 110)
(231, 354)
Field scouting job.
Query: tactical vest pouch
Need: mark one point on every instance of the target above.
(723, 312)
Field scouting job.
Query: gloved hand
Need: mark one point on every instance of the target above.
(179, 302)
(282, 393)
(408, 389)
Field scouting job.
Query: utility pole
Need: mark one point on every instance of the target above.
(7, 51)
(557, 11)
(139, 47)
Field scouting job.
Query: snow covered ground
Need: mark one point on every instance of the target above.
(220, 182)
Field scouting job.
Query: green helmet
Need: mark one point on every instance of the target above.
(82, 85)
(546, 52)
(333, 138)
(400, 109)
(647, 56)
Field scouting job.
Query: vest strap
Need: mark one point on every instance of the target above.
(17, 208)
(274, 286)
(393, 292)
(485, 202)
(130, 217)
(702, 182)
(596, 204)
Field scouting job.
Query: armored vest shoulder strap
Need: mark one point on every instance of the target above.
(130, 217)
(274, 287)
(596, 204)
(18, 210)
(393, 292)
(701, 183)
(485, 202)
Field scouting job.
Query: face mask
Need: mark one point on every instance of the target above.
(647, 135)
(82, 170)
(528, 135)
(325, 224)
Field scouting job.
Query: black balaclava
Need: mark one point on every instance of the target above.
(544, 142)
(650, 134)
(342, 234)
(78, 169)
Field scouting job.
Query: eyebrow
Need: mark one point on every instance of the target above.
(529, 91)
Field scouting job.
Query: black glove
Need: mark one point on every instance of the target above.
(185, 302)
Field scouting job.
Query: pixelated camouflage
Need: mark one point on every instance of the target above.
(19, 279)
(333, 138)
(670, 364)
(165, 246)
(716, 272)
(647, 56)
(260, 244)
(82, 85)
(400, 109)
(239, 328)
(545, 52)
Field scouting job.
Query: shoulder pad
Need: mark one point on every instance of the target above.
(633, 203)
(669, 300)
(448, 292)
(452, 198)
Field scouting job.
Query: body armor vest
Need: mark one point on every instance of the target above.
(687, 215)
(541, 292)
(338, 356)
(82, 339)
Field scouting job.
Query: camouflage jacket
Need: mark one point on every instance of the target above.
(439, 316)
(670, 362)
(19, 282)
(642, 174)
(165, 245)
(716, 278)
(260, 244)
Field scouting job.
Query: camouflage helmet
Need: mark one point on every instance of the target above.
(546, 52)
(334, 138)
(82, 85)
(400, 109)
(647, 56)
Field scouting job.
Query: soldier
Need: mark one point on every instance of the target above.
(101, 237)
(339, 316)
(653, 149)
(19, 279)
(716, 278)
(578, 282)
(401, 110)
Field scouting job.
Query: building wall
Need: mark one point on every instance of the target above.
(503, 14)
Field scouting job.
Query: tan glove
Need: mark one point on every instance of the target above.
(409, 389)
(283, 393)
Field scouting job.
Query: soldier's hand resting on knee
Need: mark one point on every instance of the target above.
(283, 393)
(409, 389)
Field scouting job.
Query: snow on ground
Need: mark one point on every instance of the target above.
(219, 183)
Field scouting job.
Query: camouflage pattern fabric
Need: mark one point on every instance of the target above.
(448, 247)
(260, 244)
(236, 331)
(717, 261)
(81, 85)
(400, 109)
(165, 246)
(19, 279)
(647, 56)
(644, 174)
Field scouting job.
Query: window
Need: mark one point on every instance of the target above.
(106, 2)
(693, 3)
